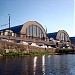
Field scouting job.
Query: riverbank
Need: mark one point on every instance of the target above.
(58, 52)
(14, 49)
(23, 54)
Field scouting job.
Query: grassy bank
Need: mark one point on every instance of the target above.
(22, 53)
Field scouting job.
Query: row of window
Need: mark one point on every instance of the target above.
(10, 34)
(63, 37)
(34, 31)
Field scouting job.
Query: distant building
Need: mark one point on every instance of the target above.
(61, 37)
(30, 31)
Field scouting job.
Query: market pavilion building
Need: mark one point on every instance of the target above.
(31, 31)
(60, 37)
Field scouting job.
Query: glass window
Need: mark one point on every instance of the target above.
(31, 30)
(66, 38)
(28, 31)
(42, 35)
(9, 33)
(62, 36)
(3, 33)
(34, 31)
(38, 32)
(17, 35)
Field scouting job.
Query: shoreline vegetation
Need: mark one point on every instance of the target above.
(61, 52)
(14, 49)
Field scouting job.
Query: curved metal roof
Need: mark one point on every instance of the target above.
(53, 35)
(15, 29)
(72, 39)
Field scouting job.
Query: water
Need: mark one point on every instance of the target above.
(38, 65)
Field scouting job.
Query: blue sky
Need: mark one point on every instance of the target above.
(53, 14)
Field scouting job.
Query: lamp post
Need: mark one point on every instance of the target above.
(9, 27)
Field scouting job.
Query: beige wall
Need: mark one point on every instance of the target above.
(32, 23)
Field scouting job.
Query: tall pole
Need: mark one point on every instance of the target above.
(9, 27)
(46, 32)
(46, 29)
(9, 21)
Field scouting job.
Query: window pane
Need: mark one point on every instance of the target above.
(17, 35)
(30, 30)
(38, 32)
(34, 31)
(9, 33)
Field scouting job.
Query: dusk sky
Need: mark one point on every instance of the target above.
(53, 14)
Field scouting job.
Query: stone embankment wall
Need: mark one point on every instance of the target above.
(14, 47)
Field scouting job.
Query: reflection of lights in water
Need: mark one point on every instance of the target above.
(48, 55)
(43, 64)
(34, 65)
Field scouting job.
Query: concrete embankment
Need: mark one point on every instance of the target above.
(6, 47)
(14, 47)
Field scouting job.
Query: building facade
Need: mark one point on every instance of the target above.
(30, 31)
(61, 35)
(60, 38)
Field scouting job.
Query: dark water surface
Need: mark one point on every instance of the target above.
(38, 65)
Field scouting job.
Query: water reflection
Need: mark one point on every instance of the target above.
(34, 65)
(38, 65)
(43, 64)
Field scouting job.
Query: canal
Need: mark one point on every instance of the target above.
(38, 65)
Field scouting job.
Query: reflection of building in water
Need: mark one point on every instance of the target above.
(34, 64)
(43, 64)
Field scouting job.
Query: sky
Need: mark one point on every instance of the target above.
(54, 15)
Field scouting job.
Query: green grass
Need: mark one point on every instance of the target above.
(60, 51)
(22, 53)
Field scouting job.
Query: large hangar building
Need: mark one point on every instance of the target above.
(31, 31)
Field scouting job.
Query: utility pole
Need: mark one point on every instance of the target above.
(9, 27)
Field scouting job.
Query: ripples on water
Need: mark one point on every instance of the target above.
(38, 65)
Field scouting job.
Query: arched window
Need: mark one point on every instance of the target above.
(34, 31)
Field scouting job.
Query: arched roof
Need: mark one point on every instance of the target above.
(55, 35)
(62, 31)
(27, 24)
(52, 35)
